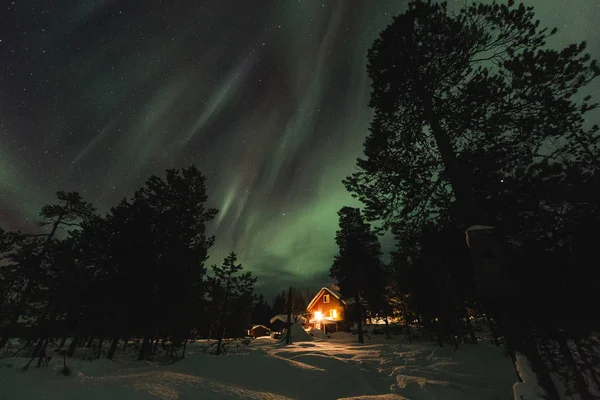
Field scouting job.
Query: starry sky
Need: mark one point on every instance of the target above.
(268, 98)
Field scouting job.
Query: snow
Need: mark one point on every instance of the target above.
(259, 326)
(528, 389)
(298, 334)
(316, 333)
(283, 318)
(336, 368)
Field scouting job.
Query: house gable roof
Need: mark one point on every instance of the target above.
(332, 292)
(259, 326)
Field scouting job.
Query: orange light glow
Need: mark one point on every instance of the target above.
(318, 315)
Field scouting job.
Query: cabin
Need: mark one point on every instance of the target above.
(326, 310)
(258, 331)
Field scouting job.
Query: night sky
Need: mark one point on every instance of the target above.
(268, 98)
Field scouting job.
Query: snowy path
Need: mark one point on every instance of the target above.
(327, 369)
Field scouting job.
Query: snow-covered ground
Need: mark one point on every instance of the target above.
(322, 368)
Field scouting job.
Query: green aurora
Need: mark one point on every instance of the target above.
(270, 101)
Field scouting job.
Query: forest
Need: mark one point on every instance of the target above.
(476, 123)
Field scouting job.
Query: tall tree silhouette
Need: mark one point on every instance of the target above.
(262, 311)
(227, 288)
(476, 122)
(358, 257)
(447, 88)
(173, 214)
(68, 212)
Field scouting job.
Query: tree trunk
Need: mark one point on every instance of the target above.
(452, 334)
(470, 328)
(407, 323)
(155, 346)
(100, 343)
(184, 347)
(358, 316)
(4, 338)
(223, 319)
(42, 352)
(288, 333)
(62, 342)
(90, 341)
(464, 199)
(125, 344)
(73, 346)
(144, 348)
(388, 335)
(113, 348)
(38, 347)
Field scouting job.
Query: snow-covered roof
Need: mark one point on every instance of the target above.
(259, 326)
(331, 291)
(283, 318)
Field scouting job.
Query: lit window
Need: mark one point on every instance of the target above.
(333, 313)
(325, 298)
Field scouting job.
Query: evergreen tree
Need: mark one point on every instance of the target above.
(475, 122)
(231, 292)
(451, 90)
(279, 303)
(357, 259)
(171, 213)
(261, 312)
(68, 212)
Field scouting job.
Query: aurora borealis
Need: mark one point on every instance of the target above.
(268, 99)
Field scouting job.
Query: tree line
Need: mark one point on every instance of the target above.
(139, 272)
(476, 122)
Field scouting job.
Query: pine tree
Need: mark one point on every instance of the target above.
(451, 90)
(68, 212)
(172, 214)
(279, 303)
(476, 122)
(358, 257)
(261, 312)
(227, 289)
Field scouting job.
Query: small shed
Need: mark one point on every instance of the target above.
(258, 331)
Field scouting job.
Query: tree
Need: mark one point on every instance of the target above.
(69, 212)
(261, 312)
(475, 122)
(377, 295)
(172, 216)
(448, 89)
(229, 291)
(279, 303)
(357, 259)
